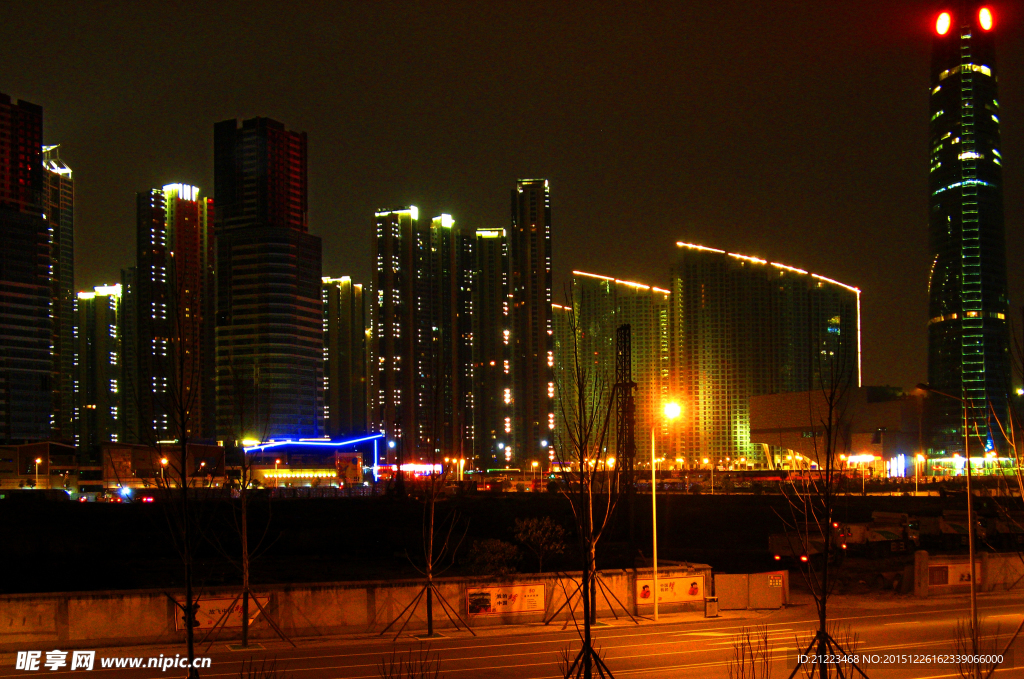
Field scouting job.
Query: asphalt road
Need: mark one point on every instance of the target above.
(685, 645)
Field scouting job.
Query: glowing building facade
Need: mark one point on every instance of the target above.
(968, 330)
(422, 332)
(602, 305)
(741, 327)
(97, 369)
(533, 382)
(171, 300)
(59, 209)
(345, 346)
(492, 356)
(26, 326)
(269, 327)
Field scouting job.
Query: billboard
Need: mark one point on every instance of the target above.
(501, 600)
(211, 610)
(350, 467)
(670, 590)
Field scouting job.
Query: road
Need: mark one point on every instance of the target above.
(685, 646)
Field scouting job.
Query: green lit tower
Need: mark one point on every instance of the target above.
(968, 332)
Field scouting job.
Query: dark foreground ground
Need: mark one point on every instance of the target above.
(63, 546)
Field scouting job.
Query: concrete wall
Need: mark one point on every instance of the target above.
(96, 619)
(950, 574)
(742, 591)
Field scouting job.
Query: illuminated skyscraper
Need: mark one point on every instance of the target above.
(26, 327)
(345, 387)
(269, 366)
(172, 298)
(97, 374)
(492, 356)
(968, 332)
(741, 327)
(601, 305)
(422, 336)
(392, 335)
(533, 382)
(59, 208)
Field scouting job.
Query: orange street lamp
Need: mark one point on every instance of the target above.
(39, 461)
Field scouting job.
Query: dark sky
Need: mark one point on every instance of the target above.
(795, 131)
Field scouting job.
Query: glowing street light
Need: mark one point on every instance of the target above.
(534, 465)
(672, 411)
(917, 475)
(39, 461)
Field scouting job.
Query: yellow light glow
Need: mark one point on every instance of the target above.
(942, 23)
(610, 462)
(672, 410)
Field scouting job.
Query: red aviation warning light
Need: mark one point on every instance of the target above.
(942, 23)
(985, 18)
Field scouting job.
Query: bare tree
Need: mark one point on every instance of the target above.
(441, 538)
(812, 499)
(252, 416)
(589, 482)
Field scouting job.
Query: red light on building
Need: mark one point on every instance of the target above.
(942, 23)
(985, 18)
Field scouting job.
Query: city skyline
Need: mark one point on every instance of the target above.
(721, 155)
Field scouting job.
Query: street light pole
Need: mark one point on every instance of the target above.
(39, 461)
(654, 524)
(672, 411)
(970, 525)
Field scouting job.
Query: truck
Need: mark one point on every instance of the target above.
(948, 531)
(807, 544)
(887, 533)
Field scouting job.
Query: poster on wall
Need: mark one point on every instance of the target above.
(670, 590)
(350, 467)
(211, 610)
(501, 600)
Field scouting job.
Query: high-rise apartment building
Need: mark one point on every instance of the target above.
(26, 326)
(345, 347)
(533, 382)
(601, 305)
(741, 326)
(492, 351)
(169, 377)
(423, 335)
(269, 330)
(97, 371)
(393, 308)
(59, 209)
(444, 341)
(968, 330)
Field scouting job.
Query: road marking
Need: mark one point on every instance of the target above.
(707, 634)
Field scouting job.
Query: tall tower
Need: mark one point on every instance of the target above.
(269, 330)
(344, 358)
(423, 336)
(740, 326)
(98, 373)
(492, 357)
(392, 374)
(968, 337)
(26, 325)
(171, 360)
(59, 208)
(533, 381)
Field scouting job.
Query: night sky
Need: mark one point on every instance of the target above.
(794, 131)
